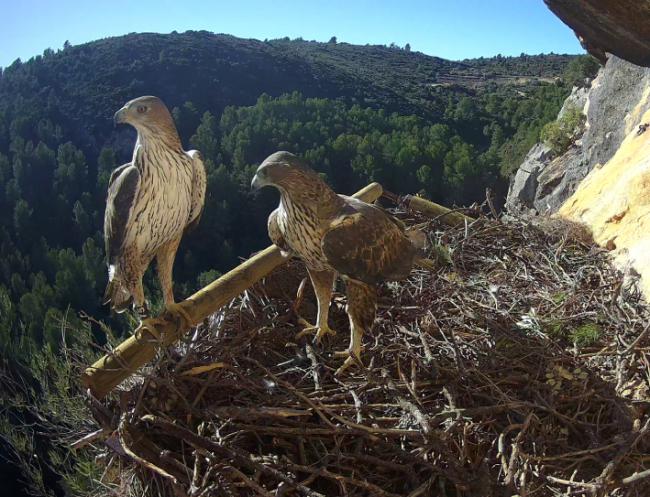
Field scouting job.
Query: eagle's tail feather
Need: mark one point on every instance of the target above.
(116, 294)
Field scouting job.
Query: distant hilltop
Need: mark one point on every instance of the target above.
(215, 70)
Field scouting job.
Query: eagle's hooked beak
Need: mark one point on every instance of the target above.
(119, 116)
(257, 183)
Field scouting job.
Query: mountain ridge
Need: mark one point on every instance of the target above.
(216, 70)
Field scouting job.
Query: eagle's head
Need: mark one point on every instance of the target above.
(284, 171)
(146, 114)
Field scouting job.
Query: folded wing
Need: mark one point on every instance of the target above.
(275, 234)
(199, 182)
(122, 190)
(367, 244)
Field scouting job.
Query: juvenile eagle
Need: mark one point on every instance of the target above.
(335, 234)
(151, 202)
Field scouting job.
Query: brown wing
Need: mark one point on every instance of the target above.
(122, 189)
(116, 172)
(199, 182)
(366, 243)
(275, 234)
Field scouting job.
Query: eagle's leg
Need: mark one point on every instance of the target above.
(140, 305)
(323, 282)
(165, 265)
(361, 309)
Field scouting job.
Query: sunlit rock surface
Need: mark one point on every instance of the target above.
(614, 201)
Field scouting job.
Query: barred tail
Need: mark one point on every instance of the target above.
(116, 293)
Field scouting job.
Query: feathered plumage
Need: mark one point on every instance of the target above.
(335, 234)
(151, 202)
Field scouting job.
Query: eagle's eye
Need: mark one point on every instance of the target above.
(142, 109)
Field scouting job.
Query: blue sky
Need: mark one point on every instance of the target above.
(453, 29)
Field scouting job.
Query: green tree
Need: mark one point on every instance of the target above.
(187, 118)
(206, 138)
(580, 70)
(33, 305)
(25, 229)
(560, 134)
(71, 175)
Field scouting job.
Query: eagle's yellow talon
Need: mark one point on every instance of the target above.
(304, 323)
(350, 361)
(179, 311)
(319, 331)
(150, 326)
(352, 358)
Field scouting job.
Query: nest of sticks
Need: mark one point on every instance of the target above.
(520, 368)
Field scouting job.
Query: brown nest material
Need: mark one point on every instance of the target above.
(521, 368)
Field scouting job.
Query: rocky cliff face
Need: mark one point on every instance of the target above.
(603, 181)
(619, 27)
(614, 105)
(613, 201)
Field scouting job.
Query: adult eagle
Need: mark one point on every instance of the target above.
(151, 202)
(335, 234)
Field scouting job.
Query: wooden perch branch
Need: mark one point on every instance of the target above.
(431, 209)
(137, 350)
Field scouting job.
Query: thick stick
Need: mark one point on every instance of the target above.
(431, 209)
(139, 349)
